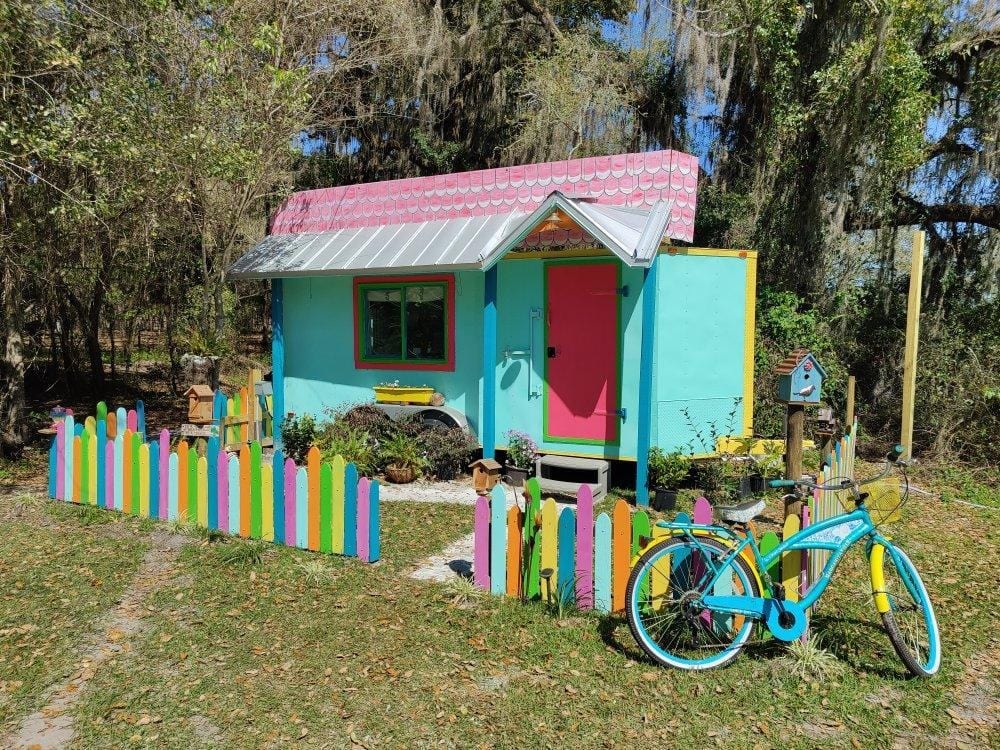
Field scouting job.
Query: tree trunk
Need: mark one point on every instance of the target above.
(12, 424)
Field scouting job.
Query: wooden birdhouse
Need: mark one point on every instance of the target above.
(485, 475)
(800, 378)
(200, 399)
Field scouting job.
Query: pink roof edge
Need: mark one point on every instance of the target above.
(627, 180)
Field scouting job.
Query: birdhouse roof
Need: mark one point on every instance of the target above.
(201, 391)
(486, 463)
(794, 360)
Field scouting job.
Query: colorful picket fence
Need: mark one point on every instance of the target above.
(246, 415)
(570, 556)
(325, 507)
(838, 465)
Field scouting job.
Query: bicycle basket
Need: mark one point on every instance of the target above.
(884, 500)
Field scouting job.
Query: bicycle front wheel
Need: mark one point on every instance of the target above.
(663, 610)
(907, 613)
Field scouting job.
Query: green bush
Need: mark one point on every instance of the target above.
(403, 452)
(667, 470)
(298, 435)
(353, 444)
(448, 449)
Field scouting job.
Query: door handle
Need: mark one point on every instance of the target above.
(551, 352)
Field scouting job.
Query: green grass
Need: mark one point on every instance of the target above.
(288, 651)
(58, 574)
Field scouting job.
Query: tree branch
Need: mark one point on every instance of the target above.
(539, 11)
(907, 210)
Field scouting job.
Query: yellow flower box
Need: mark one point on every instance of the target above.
(403, 394)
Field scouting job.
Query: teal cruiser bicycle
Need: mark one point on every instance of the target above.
(694, 596)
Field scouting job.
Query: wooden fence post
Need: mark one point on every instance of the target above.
(912, 341)
(794, 431)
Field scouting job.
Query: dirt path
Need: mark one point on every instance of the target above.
(52, 726)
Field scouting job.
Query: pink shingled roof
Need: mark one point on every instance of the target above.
(630, 180)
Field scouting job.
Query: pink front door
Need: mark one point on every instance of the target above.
(581, 352)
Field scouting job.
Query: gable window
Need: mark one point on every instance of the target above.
(405, 322)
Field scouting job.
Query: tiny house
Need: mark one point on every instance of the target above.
(545, 298)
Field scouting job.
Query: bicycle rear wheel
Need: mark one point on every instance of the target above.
(906, 609)
(662, 608)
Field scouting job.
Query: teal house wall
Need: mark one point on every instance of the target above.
(703, 377)
(701, 351)
(319, 367)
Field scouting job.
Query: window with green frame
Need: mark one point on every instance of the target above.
(405, 322)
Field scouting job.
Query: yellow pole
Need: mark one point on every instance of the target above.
(851, 382)
(912, 341)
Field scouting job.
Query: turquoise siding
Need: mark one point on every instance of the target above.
(521, 289)
(319, 348)
(700, 334)
(698, 356)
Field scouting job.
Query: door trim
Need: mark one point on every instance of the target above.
(546, 436)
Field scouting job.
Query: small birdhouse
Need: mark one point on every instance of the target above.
(485, 475)
(200, 404)
(800, 378)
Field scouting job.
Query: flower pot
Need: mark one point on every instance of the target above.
(517, 475)
(664, 499)
(753, 484)
(400, 474)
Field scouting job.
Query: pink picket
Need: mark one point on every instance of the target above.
(132, 420)
(702, 511)
(222, 479)
(362, 516)
(585, 548)
(61, 460)
(109, 475)
(164, 472)
(289, 502)
(481, 561)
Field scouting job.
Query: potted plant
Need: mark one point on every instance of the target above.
(666, 472)
(521, 454)
(403, 458)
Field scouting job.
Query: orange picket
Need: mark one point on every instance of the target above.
(77, 463)
(127, 470)
(515, 519)
(621, 549)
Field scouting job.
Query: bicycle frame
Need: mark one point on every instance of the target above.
(836, 535)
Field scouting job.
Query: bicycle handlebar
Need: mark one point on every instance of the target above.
(891, 459)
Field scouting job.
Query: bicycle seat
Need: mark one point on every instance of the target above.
(741, 513)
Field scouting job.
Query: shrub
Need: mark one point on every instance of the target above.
(298, 435)
(521, 449)
(367, 418)
(403, 452)
(449, 449)
(354, 445)
(667, 470)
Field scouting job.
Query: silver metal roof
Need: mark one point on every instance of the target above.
(475, 242)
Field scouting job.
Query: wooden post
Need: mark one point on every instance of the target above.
(912, 340)
(850, 402)
(794, 431)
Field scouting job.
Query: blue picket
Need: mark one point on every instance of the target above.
(351, 510)
(498, 540)
(154, 479)
(566, 568)
(278, 471)
(212, 459)
(374, 524)
(602, 563)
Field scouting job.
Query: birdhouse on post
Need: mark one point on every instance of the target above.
(200, 398)
(800, 378)
(485, 475)
(800, 382)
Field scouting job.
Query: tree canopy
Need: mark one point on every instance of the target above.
(143, 146)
